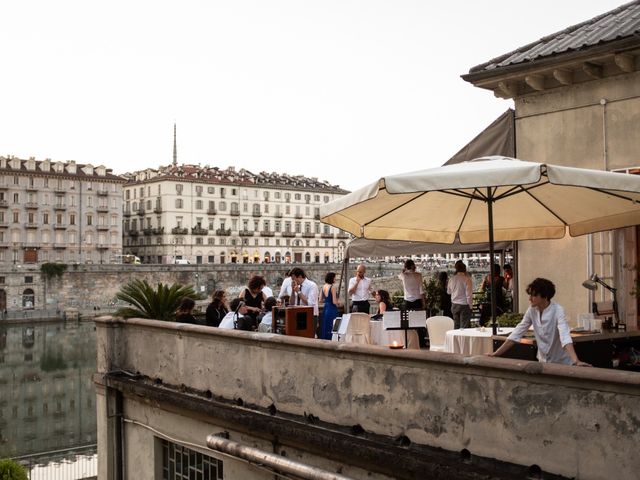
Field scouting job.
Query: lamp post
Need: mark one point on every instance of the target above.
(592, 284)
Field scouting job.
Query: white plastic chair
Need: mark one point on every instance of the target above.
(358, 330)
(437, 327)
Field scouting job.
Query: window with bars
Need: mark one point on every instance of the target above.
(182, 463)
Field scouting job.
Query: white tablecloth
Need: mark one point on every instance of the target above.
(471, 341)
(380, 336)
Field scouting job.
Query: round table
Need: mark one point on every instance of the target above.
(380, 336)
(471, 341)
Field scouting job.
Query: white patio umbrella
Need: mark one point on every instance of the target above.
(486, 200)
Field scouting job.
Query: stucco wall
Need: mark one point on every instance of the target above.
(568, 126)
(572, 421)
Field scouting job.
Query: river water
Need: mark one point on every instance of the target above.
(47, 397)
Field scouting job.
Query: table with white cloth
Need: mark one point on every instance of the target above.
(472, 341)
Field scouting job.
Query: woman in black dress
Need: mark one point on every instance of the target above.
(217, 309)
(253, 297)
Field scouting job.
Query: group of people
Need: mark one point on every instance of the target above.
(252, 309)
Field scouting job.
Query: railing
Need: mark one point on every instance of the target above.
(157, 209)
(102, 208)
(30, 225)
(199, 231)
(298, 216)
(31, 205)
(4, 225)
(147, 231)
(256, 214)
(133, 233)
(141, 211)
(278, 215)
(223, 233)
(326, 235)
(288, 234)
(158, 231)
(308, 235)
(102, 227)
(267, 233)
(126, 213)
(342, 235)
(179, 231)
(4, 204)
(102, 192)
(59, 206)
(211, 211)
(59, 226)
(246, 233)
(235, 213)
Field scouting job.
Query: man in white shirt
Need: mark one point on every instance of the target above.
(285, 288)
(305, 292)
(360, 290)
(549, 327)
(414, 298)
(460, 287)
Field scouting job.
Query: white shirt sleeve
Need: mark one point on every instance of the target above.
(522, 327)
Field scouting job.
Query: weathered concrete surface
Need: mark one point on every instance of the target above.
(571, 421)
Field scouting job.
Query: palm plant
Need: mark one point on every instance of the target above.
(147, 302)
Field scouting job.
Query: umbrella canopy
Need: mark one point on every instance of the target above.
(486, 200)
(527, 201)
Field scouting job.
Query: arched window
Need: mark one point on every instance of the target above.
(307, 257)
(278, 257)
(28, 299)
(317, 257)
(326, 258)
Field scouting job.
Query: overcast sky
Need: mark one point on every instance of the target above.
(343, 90)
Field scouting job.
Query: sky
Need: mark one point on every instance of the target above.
(343, 90)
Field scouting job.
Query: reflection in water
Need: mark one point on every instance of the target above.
(47, 398)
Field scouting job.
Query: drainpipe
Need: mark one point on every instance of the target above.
(271, 460)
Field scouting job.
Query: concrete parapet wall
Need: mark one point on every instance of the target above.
(571, 421)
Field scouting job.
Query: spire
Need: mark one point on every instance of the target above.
(175, 147)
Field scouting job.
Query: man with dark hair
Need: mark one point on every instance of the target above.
(460, 287)
(549, 326)
(305, 292)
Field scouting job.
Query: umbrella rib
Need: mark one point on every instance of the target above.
(517, 189)
(393, 210)
(528, 192)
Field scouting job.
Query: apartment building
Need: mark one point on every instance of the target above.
(53, 211)
(188, 213)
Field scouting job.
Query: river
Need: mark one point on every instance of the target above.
(47, 397)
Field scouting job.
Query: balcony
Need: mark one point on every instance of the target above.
(102, 208)
(102, 246)
(179, 231)
(4, 204)
(31, 225)
(256, 214)
(235, 213)
(277, 215)
(31, 205)
(267, 233)
(141, 211)
(102, 227)
(31, 188)
(316, 216)
(59, 226)
(147, 231)
(342, 235)
(288, 234)
(326, 235)
(4, 225)
(59, 206)
(298, 216)
(211, 211)
(133, 233)
(158, 231)
(158, 209)
(199, 231)
(126, 213)
(59, 246)
(4, 187)
(246, 233)
(221, 232)
(59, 190)
(308, 235)
(102, 192)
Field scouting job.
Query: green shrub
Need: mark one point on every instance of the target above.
(12, 470)
(509, 319)
(51, 270)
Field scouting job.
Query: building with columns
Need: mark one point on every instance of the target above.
(188, 213)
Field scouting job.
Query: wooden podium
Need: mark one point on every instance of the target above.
(296, 321)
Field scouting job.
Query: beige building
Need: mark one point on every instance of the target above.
(58, 212)
(188, 213)
(577, 98)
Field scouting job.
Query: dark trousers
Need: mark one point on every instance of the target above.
(413, 305)
(360, 306)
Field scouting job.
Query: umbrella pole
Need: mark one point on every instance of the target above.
(494, 326)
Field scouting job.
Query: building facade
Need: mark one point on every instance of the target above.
(205, 215)
(577, 97)
(58, 212)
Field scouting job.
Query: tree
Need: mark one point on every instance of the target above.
(12, 470)
(147, 302)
